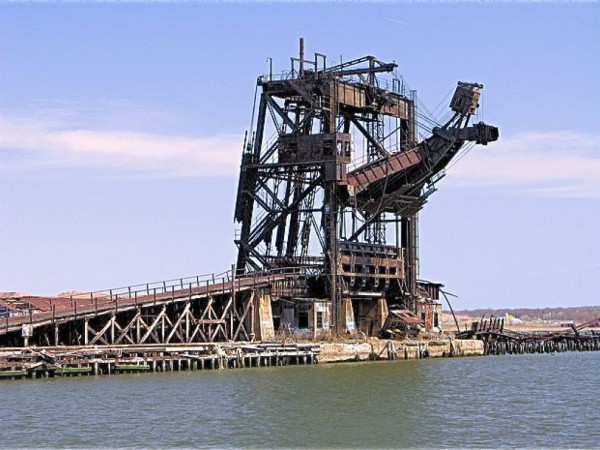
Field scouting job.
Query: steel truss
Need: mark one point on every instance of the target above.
(311, 194)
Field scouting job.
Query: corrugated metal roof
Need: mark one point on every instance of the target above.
(406, 316)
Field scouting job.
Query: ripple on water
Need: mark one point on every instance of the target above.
(505, 401)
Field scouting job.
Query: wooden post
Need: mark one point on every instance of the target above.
(187, 323)
(252, 330)
(112, 329)
(137, 327)
(231, 313)
(314, 311)
(86, 336)
(234, 302)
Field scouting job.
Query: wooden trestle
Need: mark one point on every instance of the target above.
(213, 309)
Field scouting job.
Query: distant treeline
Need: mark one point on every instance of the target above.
(579, 314)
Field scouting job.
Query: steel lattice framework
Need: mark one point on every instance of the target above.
(333, 175)
(343, 175)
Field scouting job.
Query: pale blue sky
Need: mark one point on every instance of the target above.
(121, 127)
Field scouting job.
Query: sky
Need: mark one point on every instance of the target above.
(121, 129)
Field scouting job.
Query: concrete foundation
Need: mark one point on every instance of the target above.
(93, 360)
(391, 350)
(265, 330)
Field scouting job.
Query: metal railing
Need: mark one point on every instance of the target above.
(155, 292)
(158, 287)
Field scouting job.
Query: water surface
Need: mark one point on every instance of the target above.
(503, 401)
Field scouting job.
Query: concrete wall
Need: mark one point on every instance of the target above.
(264, 319)
(387, 349)
(348, 323)
(371, 315)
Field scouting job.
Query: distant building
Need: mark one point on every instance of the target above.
(510, 319)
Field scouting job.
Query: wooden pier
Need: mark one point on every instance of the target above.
(522, 343)
(497, 340)
(68, 361)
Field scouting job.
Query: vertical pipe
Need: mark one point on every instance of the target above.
(415, 243)
(397, 231)
(301, 73)
(412, 117)
(408, 244)
(330, 213)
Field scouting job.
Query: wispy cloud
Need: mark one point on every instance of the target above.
(551, 164)
(48, 141)
(402, 22)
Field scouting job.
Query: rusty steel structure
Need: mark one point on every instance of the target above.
(334, 171)
(338, 186)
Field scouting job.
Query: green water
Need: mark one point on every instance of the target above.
(507, 401)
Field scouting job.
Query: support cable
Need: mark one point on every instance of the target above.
(450, 306)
